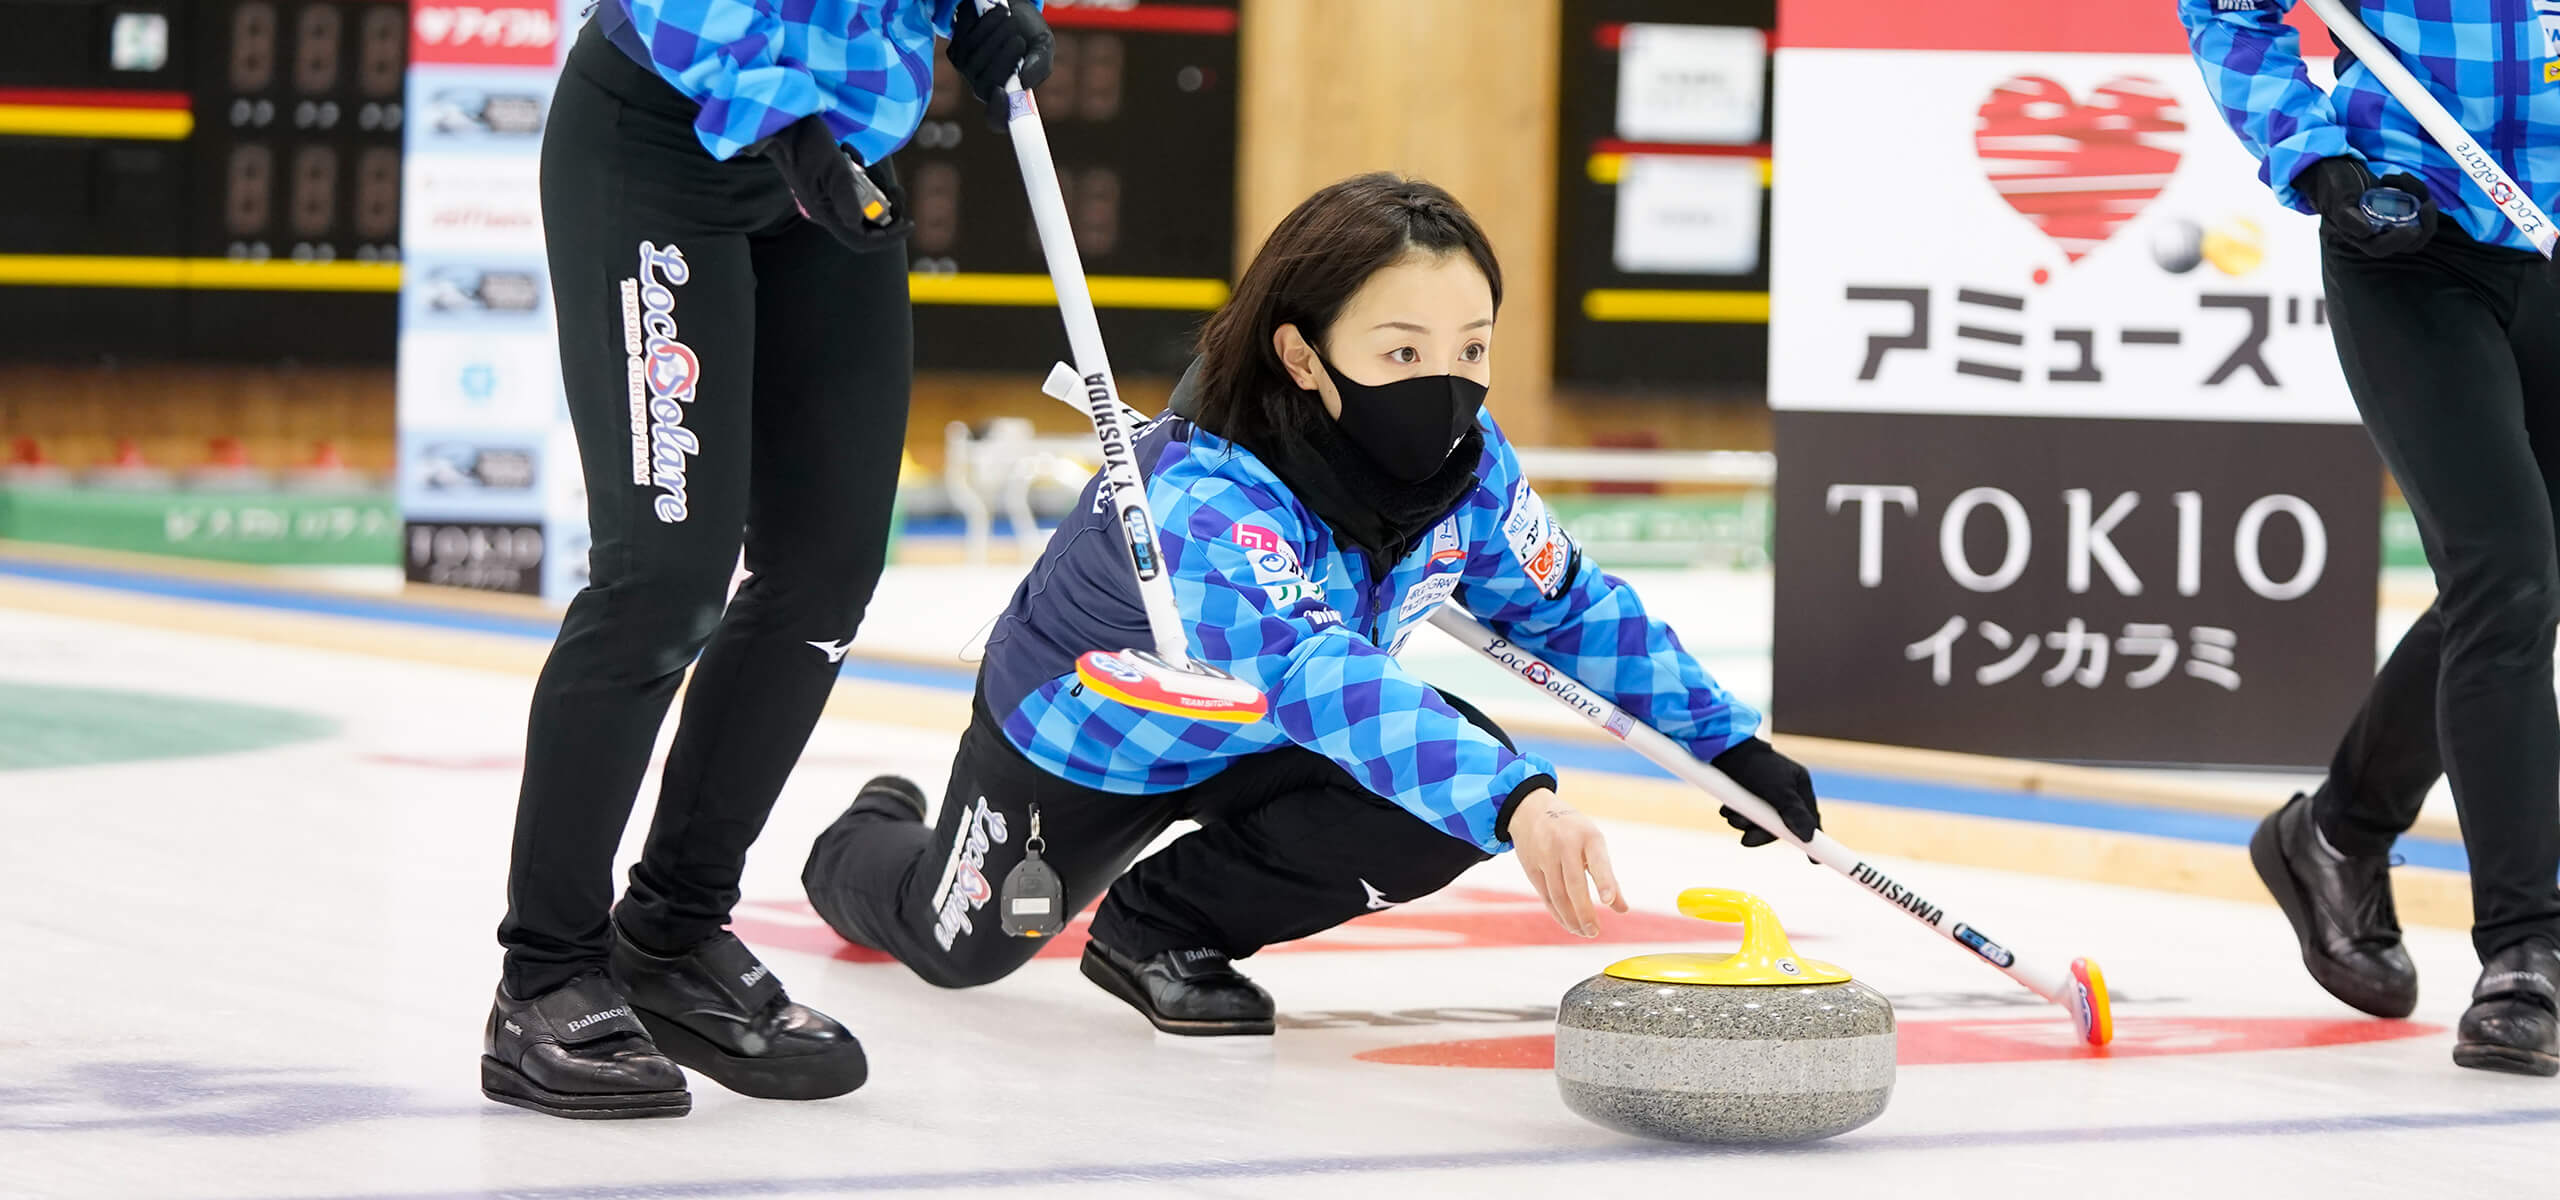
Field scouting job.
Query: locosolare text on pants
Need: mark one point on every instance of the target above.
(964, 887)
(1033, 903)
(663, 375)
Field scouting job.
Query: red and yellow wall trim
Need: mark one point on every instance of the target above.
(96, 113)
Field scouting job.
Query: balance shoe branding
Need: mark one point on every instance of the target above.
(578, 1023)
(756, 976)
(663, 374)
(1883, 885)
(966, 890)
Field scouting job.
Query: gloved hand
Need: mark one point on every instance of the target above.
(827, 182)
(988, 49)
(1773, 777)
(2337, 186)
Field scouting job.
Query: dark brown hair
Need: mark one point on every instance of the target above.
(1309, 267)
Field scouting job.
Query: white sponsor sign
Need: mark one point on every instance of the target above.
(465, 381)
(1688, 216)
(2059, 234)
(477, 203)
(1691, 83)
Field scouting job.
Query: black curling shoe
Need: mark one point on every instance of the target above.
(1195, 993)
(719, 1011)
(578, 1051)
(2514, 1021)
(2340, 907)
(893, 796)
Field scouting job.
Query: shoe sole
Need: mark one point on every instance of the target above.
(506, 1085)
(800, 1077)
(2485, 1056)
(1113, 982)
(2268, 857)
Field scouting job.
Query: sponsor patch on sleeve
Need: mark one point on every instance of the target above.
(1545, 552)
(1427, 595)
(1272, 560)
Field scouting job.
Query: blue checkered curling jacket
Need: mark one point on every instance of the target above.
(2490, 62)
(1270, 593)
(755, 66)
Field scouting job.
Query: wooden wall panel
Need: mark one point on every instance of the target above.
(1459, 92)
(280, 415)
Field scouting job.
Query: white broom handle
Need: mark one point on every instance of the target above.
(1084, 341)
(2502, 190)
(2052, 984)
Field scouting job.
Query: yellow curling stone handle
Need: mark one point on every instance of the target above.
(1766, 957)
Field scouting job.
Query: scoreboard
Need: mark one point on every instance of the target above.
(1662, 220)
(1140, 111)
(201, 179)
(224, 180)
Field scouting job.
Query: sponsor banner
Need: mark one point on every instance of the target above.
(2117, 591)
(479, 112)
(489, 472)
(2071, 471)
(2016, 234)
(489, 293)
(453, 381)
(476, 473)
(477, 204)
(496, 33)
(481, 555)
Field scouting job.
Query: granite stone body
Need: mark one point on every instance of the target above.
(1725, 1064)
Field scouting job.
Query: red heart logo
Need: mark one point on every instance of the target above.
(2079, 171)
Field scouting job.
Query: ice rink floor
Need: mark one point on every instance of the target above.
(250, 860)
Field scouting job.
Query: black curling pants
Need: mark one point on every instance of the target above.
(736, 377)
(2453, 354)
(1289, 845)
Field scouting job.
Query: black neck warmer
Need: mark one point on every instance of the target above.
(1339, 483)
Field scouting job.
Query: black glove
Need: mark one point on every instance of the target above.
(2337, 186)
(1773, 777)
(1012, 40)
(828, 184)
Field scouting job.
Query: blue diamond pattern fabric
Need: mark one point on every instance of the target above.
(2490, 62)
(755, 66)
(1269, 593)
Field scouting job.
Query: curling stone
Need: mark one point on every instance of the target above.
(1758, 1046)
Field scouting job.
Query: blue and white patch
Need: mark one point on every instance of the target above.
(1427, 595)
(1546, 554)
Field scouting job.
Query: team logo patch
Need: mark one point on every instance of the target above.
(663, 374)
(1272, 560)
(1545, 552)
(964, 887)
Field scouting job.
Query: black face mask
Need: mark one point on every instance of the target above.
(1408, 426)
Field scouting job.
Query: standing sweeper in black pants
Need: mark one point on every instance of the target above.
(727, 251)
(2447, 322)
